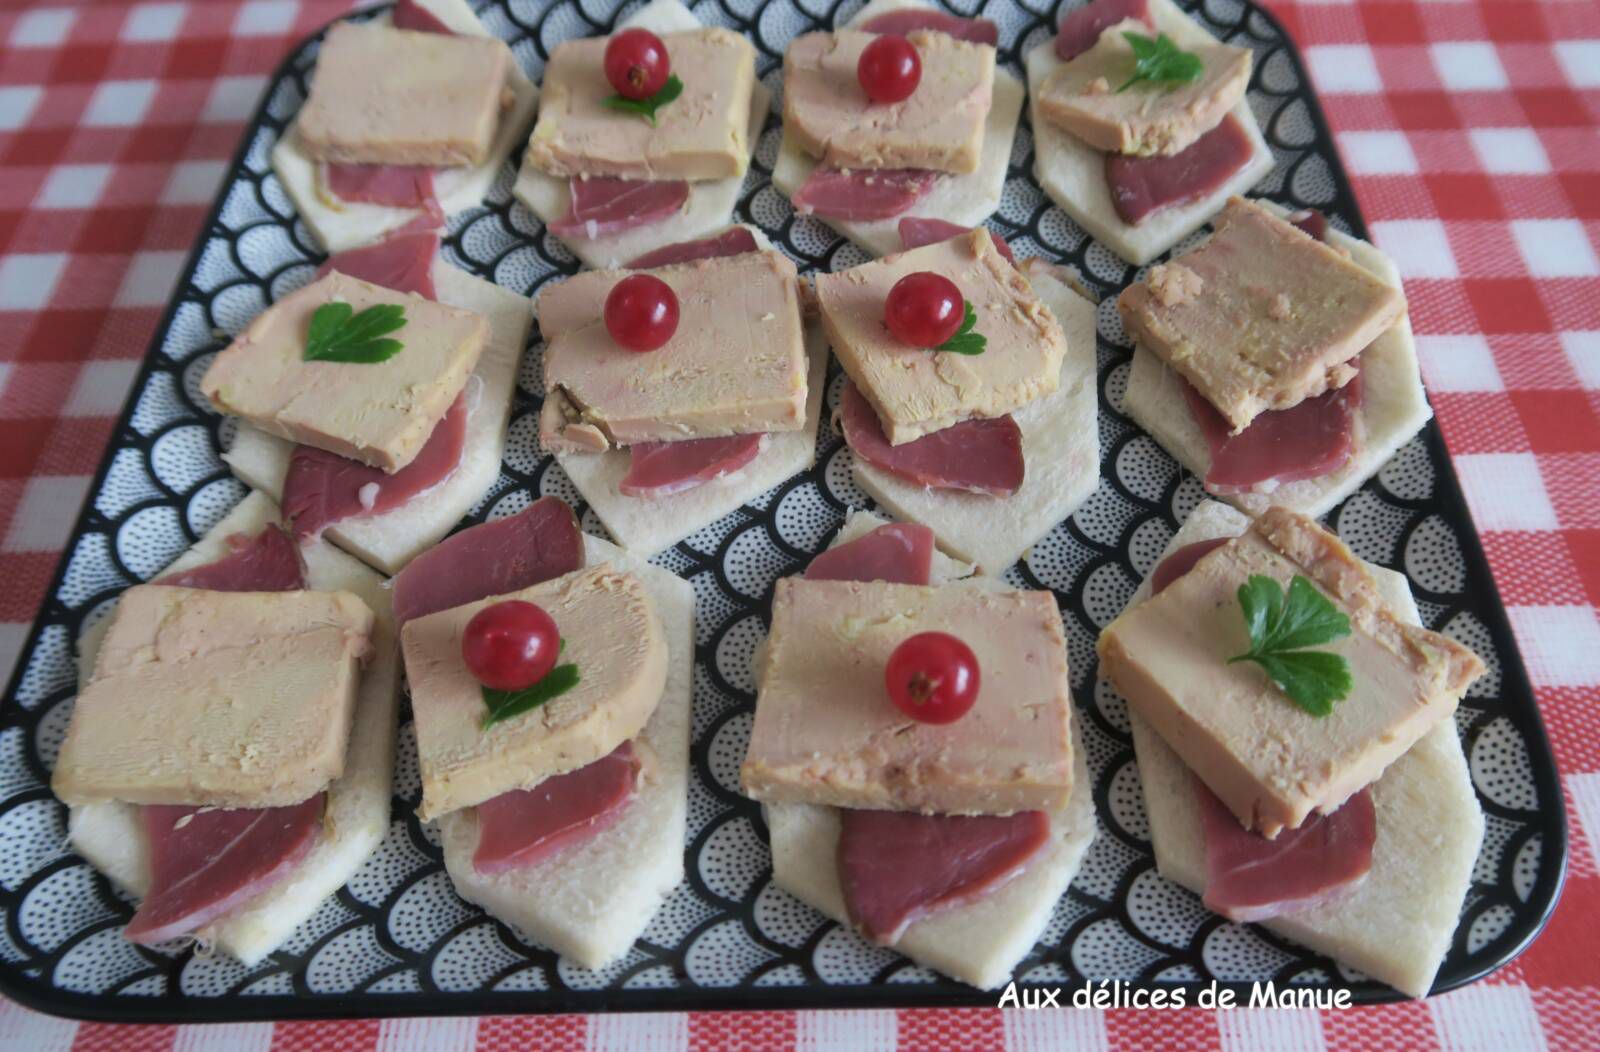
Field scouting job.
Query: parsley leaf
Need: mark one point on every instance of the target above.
(339, 334)
(1160, 62)
(504, 704)
(965, 341)
(646, 108)
(1282, 628)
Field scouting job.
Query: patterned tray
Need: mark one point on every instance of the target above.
(397, 941)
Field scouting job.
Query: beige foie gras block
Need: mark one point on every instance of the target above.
(110, 836)
(1270, 761)
(916, 391)
(735, 365)
(702, 134)
(1261, 316)
(379, 413)
(229, 699)
(614, 636)
(940, 127)
(1083, 96)
(1395, 925)
(825, 731)
(381, 95)
(591, 902)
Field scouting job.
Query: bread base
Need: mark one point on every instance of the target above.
(980, 942)
(1397, 924)
(1393, 407)
(590, 902)
(338, 226)
(111, 838)
(392, 539)
(1073, 174)
(1060, 449)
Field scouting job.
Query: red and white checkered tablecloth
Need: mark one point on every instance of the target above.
(1472, 129)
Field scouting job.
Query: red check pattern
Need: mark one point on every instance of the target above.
(1472, 130)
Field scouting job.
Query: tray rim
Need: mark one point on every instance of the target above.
(177, 1008)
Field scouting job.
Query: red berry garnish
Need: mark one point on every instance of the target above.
(924, 309)
(889, 69)
(932, 677)
(637, 64)
(510, 645)
(641, 312)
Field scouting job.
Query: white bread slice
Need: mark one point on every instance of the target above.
(109, 834)
(1073, 174)
(711, 201)
(590, 902)
(341, 225)
(1397, 924)
(1060, 449)
(966, 200)
(978, 943)
(647, 525)
(1393, 406)
(391, 540)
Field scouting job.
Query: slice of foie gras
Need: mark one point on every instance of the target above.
(1271, 762)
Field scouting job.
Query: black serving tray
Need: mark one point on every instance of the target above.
(397, 941)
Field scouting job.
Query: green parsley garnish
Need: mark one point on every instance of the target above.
(965, 341)
(339, 334)
(1160, 61)
(1280, 632)
(646, 108)
(504, 704)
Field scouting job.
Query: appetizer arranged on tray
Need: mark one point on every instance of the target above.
(550, 682)
(1141, 129)
(373, 402)
(901, 113)
(409, 115)
(1292, 721)
(1275, 361)
(675, 394)
(229, 755)
(968, 408)
(643, 137)
(913, 748)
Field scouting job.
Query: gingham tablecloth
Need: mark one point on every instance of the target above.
(1472, 130)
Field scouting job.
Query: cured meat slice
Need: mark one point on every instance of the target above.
(527, 826)
(605, 205)
(403, 261)
(1181, 562)
(409, 14)
(1312, 222)
(862, 195)
(907, 19)
(897, 866)
(394, 185)
(1083, 25)
(322, 488)
(916, 232)
(658, 469)
(205, 863)
(1250, 878)
(898, 552)
(540, 542)
(731, 242)
(975, 456)
(268, 562)
(1305, 441)
(1143, 186)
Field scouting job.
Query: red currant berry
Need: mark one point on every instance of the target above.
(924, 309)
(637, 64)
(641, 312)
(510, 645)
(889, 69)
(932, 677)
